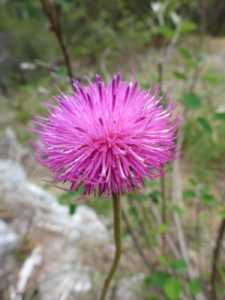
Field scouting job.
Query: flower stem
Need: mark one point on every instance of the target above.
(117, 238)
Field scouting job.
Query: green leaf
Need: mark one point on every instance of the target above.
(144, 197)
(72, 209)
(133, 212)
(154, 196)
(221, 213)
(163, 228)
(152, 297)
(205, 124)
(192, 101)
(213, 77)
(177, 209)
(23, 116)
(132, 196)
(189, 194)
(157, 279)
(164, 31)
(187, 27)
(193, 182)
(179, 265)
(219, 116)
(164, 260)
(67, 197)
(179, 75)
(186, 54)
(173, 288)
(145, 86)
(208, 199)
(194, 286)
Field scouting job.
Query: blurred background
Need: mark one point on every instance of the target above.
(54, 246)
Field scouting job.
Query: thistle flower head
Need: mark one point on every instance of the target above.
(107, 137)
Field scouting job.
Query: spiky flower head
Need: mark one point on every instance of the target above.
(107, 137)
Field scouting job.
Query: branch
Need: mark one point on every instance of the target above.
(176, 196)
(132, 204)
(168, 238)
(215, 259)
(135, 241)
(52, 11)
(44, 65)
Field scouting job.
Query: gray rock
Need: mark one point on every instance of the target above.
(8, 238)
(11, 174)
(130, 288)
(68, 242)
(10, 147)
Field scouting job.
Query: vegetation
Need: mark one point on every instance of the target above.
(177, 225)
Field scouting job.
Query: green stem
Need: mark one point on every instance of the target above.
(117, 238)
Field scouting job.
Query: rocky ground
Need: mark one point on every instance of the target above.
(45, 253)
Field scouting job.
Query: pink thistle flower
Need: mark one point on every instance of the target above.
(107, 137)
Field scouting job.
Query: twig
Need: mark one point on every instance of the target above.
(147, 223)
(198, 233)
(215, 259)
(160, 72)
(44, 65)
(164, 210)
(52, 11)
(135, 241)
(176, 197)
(168, 238)
(142, 228)
(144, 213)
(162, 178)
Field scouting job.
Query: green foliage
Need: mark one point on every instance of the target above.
(192, 101)
(194, 286)
(180, 75)
(177, 209)
(221, 213)
(213, 77)
(69, 198)
(154, 196)
(145, 86)
(219, 116)
(72, 209)
(23, 116)
(158, 279)
(179, 265)
(164, 31)
(164, 261)
(186, 27)
(24, 249)
(173, 288)
(163, 228)
(189, 194)
(102, 206)
(205, 125)
(186, 54)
